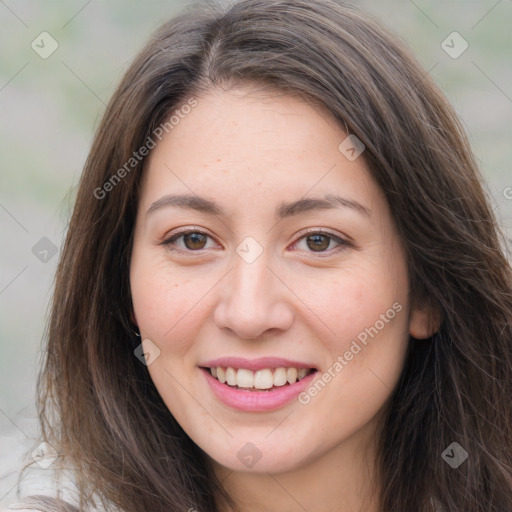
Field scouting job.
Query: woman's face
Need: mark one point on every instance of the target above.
(264, 248)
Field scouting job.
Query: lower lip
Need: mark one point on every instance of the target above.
(257, 401)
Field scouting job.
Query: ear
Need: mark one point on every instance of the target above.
(424, 321)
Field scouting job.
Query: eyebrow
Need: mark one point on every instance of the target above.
(200, 204)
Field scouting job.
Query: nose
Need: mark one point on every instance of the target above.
(253, 302)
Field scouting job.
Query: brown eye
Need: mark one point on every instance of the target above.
(195, 241)
(322, 243)
(318, 242)
(189, 241)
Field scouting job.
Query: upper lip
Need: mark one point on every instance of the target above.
(255, 364)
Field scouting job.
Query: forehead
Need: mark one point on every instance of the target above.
(255, 123)
(240, 143)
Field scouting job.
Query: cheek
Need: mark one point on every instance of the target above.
(362, 321)
(167, 306)
(366, 351)
(345, 306)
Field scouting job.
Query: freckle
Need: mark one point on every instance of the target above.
(219, 160)
(176, 285)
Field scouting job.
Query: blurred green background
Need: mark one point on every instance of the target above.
(49, 109)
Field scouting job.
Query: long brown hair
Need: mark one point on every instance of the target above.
(98, 405)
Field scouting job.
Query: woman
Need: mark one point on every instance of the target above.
(282, 286)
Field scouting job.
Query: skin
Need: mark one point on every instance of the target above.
(249, 152)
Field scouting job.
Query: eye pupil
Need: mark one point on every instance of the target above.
(318, 242)
(194, 240)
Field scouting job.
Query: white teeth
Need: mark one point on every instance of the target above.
(291, 375)
(221, 374)
(244, 378)
(260, 379)
(302, 373)
(280, 377)
(231, 376)
(263, 379)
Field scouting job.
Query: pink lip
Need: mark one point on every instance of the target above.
(256, 401)
(255, 364)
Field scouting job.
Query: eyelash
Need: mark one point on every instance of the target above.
(342, 244)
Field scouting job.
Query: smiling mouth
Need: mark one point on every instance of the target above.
(267, 379)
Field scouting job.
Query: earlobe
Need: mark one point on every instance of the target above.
(424, 322)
